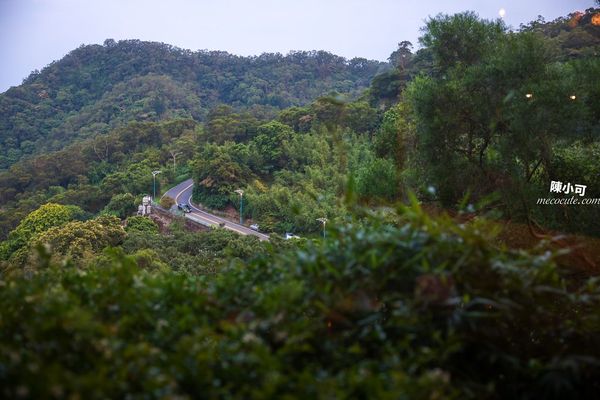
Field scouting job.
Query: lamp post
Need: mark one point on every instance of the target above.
(241, 193)
(323, 221)
(154, 173)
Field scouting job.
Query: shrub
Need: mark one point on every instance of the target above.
(47, 216)
(141, 224)
(122, 205)
(421, 308)
(167, 202)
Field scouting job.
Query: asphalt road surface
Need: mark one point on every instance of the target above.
(182, 193)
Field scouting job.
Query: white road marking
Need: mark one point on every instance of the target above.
(211, 218)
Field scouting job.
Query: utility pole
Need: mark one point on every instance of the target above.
(241, 193)
(174, 154)
(154, 173)
(323, 221)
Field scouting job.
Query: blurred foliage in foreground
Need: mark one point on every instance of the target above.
(395, 306)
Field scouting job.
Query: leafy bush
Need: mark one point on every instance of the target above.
(47, 216)
(422, 308)
(495, 112)
(575, 164)
(167, 202)
(213, 201)
(122, 205)
(378, 179)
(194, 253)
(78, 240)
(141, 224)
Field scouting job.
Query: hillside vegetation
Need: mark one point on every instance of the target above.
(400, 304)
(96, 88)
(411, 289)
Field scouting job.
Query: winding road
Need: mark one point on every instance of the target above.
(182, 193)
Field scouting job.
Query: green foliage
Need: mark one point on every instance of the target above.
(138, 223)
(167, 202)
(402, 57)
(395, 135)
(90, 172)
(390, 305)
(310, 185)
(425, 309)
(329, 110)
(122, 205)
(299, 118)
(79, 240)
(224, 124)
(136, 178)
(286, 208)
(575, 35)
(361, 117)
(267, 147)
(219, 171)
(386, 87)
(46, 217)
(462, 39)
(293, 178)
(96, 88)
(193, 253)
(378, 179)
(493, 120)
(575, 164)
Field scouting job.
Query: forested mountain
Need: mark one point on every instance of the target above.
(576, 35)
(95, 88)
(438, 274)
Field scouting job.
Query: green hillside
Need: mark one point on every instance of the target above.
(96, 88)
(424, 265)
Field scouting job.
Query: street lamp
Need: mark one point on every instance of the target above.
(241, 193)
(323, 221)
(154, 173)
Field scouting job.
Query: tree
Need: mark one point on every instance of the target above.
(131, 80)
(386, 87)
(79, 240)
(218, 171)
(299, 118)
(122, 205)
(167, 202)
(401, 57)
(395, 135)
(139, 223)
(224, 124)
(441, 310)
(47, 216)
(460, 39)
(135, 178)
(361, 117)
(329, 111)
(491, 123)
(378, 179)
(267, 149)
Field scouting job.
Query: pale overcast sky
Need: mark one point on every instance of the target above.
(33, 33)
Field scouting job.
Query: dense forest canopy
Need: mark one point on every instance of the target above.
(451, 115)
(98, 87)
(437, 275)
